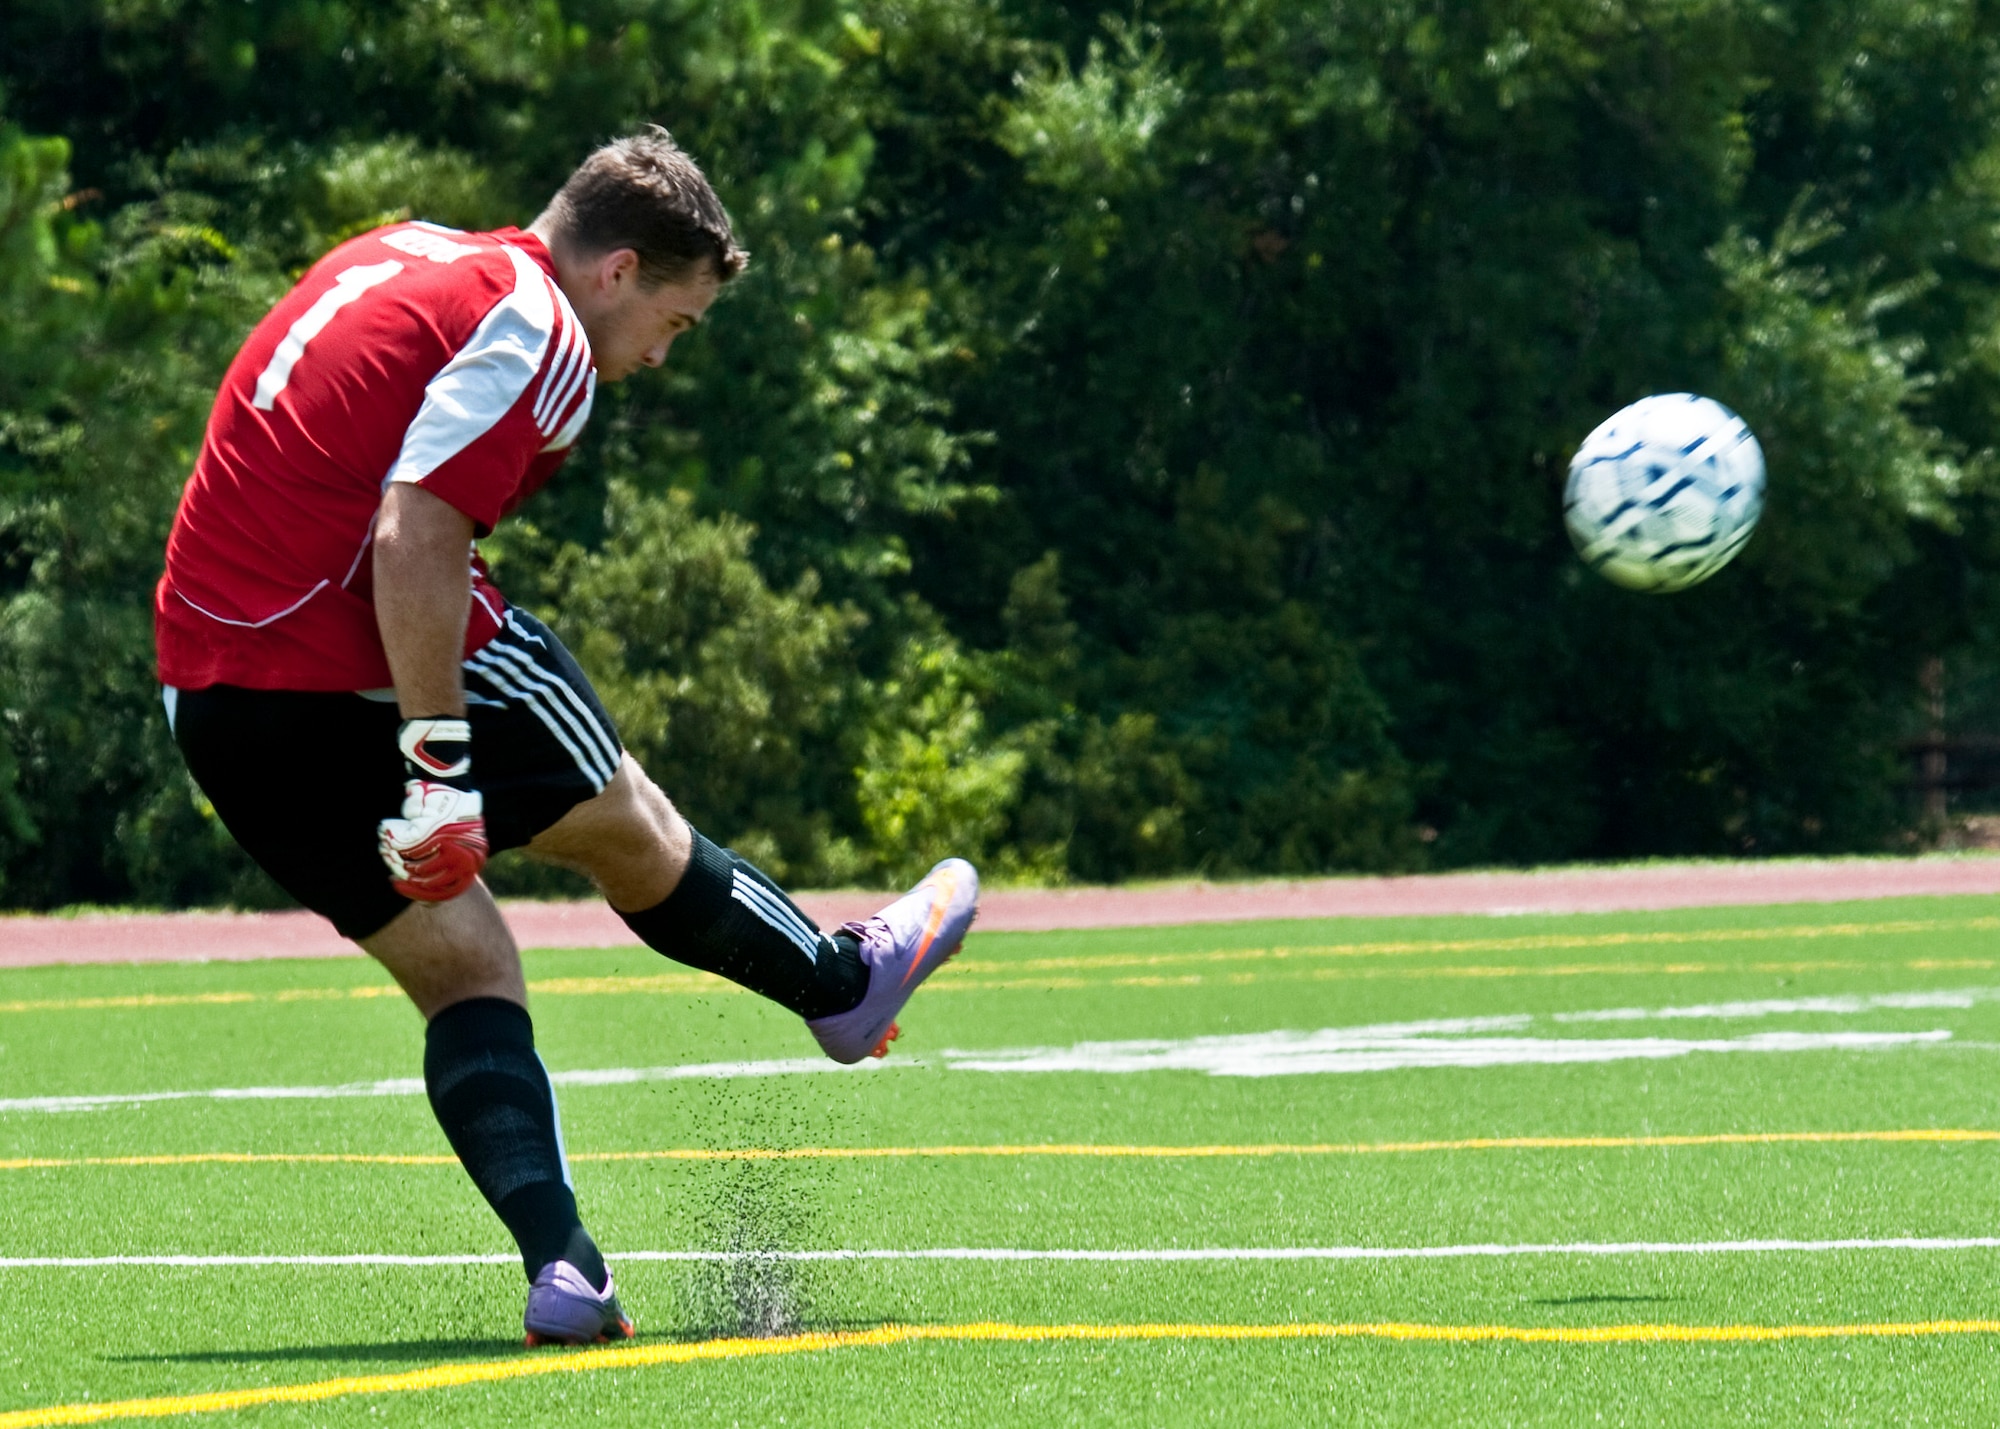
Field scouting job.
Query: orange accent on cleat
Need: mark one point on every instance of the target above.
(882, 1047)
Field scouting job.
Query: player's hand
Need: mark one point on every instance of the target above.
(436, 849)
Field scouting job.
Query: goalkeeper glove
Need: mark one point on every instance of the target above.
(436, 849)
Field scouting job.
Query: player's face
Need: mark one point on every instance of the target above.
(630, 325)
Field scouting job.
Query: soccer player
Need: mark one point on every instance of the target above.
(331, 650)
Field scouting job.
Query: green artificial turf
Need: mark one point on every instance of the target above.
(121, 1332)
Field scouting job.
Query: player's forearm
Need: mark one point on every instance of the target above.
(423, 595)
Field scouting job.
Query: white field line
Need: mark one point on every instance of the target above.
(1836, 1006)
(1004, 1255)
(1261, 1054)
(774, 1067)
(1336, 1050)
(414, 1087)
(1380, 1047)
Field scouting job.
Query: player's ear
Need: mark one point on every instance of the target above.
(618, 269)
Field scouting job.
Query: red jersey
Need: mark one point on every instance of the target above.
(413, 353)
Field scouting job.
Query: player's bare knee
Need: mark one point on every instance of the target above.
(647, 819)
(443, 953)
(640, 857)
(652, 811)
(629, 840)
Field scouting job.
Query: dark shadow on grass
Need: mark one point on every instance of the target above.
(387, 1352)
(1607, 1300)
(432, 1351)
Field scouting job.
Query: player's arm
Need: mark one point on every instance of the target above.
(423, 596)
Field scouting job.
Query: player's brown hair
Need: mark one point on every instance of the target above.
(643, 192)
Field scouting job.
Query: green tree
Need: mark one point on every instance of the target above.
(1137, 446)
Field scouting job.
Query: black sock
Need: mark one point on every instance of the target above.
(727, 918)
(492, 1096)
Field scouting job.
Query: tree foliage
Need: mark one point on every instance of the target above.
(1138, 444)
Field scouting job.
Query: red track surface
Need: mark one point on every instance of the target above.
(194, 937)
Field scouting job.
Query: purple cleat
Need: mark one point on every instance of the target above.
(902, 945)
(564, 1310)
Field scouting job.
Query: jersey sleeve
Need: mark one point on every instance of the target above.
(519, 387)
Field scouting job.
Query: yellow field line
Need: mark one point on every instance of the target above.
(1059, 1149)
(1476, 970)
(671, 984)
(1526, 943)
(1001, 974)
(627, 1357)
(228, 1158)
(197, 999)
(998, 977)
(1280, 1148)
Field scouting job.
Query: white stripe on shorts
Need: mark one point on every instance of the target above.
(588, 756)
(584, 720)
(501, 682)
(772, 910)
(511, 644)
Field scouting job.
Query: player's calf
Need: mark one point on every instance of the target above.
(711, 908)
(493, 1098)
(726, 917)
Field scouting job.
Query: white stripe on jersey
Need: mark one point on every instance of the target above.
(566, 392)
(259, 624)
(559, 388)
(578, 416)
(485, 378)
(487, 605)
(556, 375)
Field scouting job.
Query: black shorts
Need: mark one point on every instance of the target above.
(302, 778)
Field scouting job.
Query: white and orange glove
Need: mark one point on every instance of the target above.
(435, 851)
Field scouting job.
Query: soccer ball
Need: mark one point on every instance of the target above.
(1664, 493)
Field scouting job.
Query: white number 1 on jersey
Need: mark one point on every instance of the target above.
(348, 285)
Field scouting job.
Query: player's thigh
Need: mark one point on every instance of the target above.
(542, 741)
(301, 779)
(629, 839)
(554, 776)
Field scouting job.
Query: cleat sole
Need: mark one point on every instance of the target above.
(901, 946)
(624, 1331)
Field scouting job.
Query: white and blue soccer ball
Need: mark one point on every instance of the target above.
(1665, 492)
